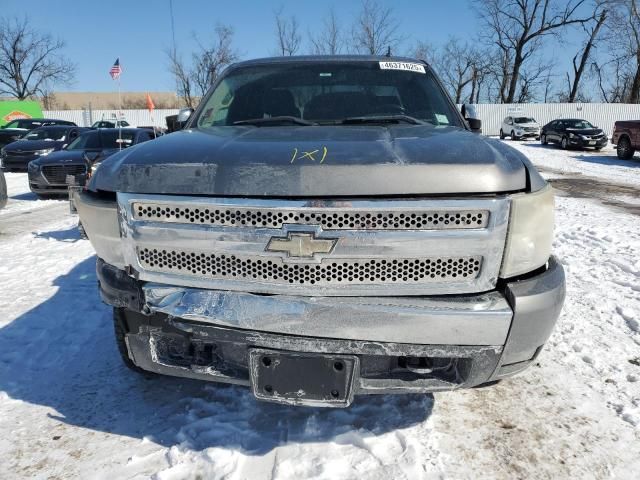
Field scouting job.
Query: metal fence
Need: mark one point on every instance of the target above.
(602, 115)
(85, 118)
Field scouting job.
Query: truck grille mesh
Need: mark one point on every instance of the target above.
(328, 220)
(326, 273)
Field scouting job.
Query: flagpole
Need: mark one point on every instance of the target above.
(119, 114)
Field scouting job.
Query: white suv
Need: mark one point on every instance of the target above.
(519, 127)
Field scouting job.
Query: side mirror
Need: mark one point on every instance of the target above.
(470, 115)
(183, 117)
(475, 124)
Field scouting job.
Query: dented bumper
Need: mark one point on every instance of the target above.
(403, 344)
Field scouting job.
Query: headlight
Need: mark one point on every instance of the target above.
(530, 232)
(572, 135)
(95, 167)
(45, 151)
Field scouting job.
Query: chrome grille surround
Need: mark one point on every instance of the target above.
(369, 260)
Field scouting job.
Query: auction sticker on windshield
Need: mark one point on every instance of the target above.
(408, 66)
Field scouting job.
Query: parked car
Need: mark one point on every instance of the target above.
(34, 144)
(14, 130)
(26, 124)
(332, 228)
(111, 124)
(3, 190)
(626, 138)
(48, 175)
(573, 132)
(519, 127)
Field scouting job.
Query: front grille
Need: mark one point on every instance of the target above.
(531, 129)
(329, 272)
(57, 174)
(326, 219)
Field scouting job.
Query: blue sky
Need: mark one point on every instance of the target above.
(139, 31)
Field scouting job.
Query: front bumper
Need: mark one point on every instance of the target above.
(582, 143)
(467, 339)
(19, 165)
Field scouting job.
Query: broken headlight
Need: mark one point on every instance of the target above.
(530, 232)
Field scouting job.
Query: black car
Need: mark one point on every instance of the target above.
(48, 175)
(3, 190)
(26, 124)
(36, 143)
(573, 132)
(10, 135)
(111, 124)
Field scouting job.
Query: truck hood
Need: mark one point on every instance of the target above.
(315, 161)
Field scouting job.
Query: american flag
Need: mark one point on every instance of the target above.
(116, 70)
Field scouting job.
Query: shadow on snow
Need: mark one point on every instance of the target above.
(592, 156)
(62, 354)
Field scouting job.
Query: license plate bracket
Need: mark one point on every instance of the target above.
(302, 378)
(592, 142)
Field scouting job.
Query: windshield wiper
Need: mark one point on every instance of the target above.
(382, 119)
(282, 120)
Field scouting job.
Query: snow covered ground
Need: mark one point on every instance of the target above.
(69, 409)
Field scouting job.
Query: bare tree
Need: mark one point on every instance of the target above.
(182, 76)
(592, 31)
(327, 38)
(287, 34)
(625, 43)
(30, 62)
(455, 65)
(209, 61)
(532, 77)
(424, 51)
(517, 28)
(376, 30)
(194, 79)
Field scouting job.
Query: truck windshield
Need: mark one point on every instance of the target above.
(308, 93)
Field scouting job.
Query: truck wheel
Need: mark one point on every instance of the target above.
(121, 329)
(543, 140)
(501, 135)
(624, 150)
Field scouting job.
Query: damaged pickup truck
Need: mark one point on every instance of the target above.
(325, 227)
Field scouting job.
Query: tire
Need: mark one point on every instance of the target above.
(564, 143)
(543, 140)
(624, 149)
(501, 135)
(513, 135)
(121, 329)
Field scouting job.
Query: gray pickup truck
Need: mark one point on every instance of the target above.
(325, 227)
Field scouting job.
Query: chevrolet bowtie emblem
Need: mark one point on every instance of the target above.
(301, 245)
